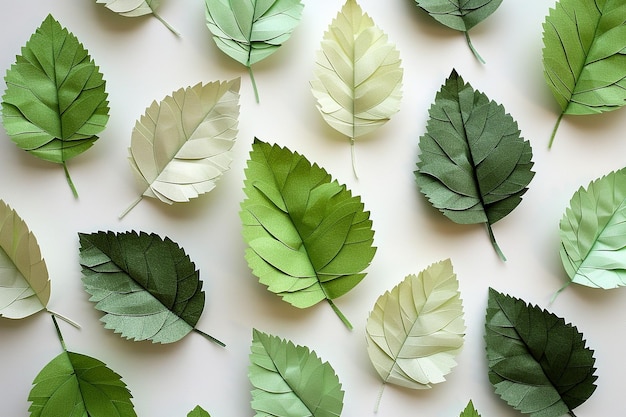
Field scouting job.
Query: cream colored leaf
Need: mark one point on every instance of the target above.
(136, 8)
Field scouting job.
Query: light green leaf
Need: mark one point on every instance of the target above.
(474, 165)
(469, 411)
(55, 101)
(308, 238)
(538, 363)
(147, 286)
(584, 56)
(250, 31)
(135, 8)
(24, 282)
(416, 330)
(291, 381)
(357, 75)
(182, 145)
(198, 412)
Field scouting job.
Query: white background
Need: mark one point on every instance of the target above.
(142, 61)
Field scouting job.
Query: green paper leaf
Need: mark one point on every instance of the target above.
(460, 15)
(250, 31)
(147, 286)
(182, 145)
(357, 75)
(135, 8)
(584, 56)
(73, 384)
(538, 363)
(291, 381)
(24, 282)
(55, 101)
(198, 412)
(474, 164)
(469, 411)
(308, 238)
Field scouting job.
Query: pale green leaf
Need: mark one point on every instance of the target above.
(357, 75)
(135, 8)
(182, 145)
(198, 412)
(291, 381)
(469, 411)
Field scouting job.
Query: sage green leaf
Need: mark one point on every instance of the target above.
(250, 31)
(461, 15)
(24, 282)
(55, 101)
(537, 363)
(182, 145)
(135, 8)
(474, 165)
(308, 238)
(584, 56)
(198, 412)
(469, 411)
(147, 286)
(357, 75)
(593, 233)
(416, 330)
(291, 381)
(77, 385)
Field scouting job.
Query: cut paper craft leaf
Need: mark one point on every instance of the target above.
(474, 165)
(460, 15)
(198, 412)
(290, 380)
(135, 8)
(308, 238)
(584, 56)
(357, 75)
(147, 286)
(250, 31)
(469, 411)
(416, 330)
(538, 363)
(55, 101)
(181, 146)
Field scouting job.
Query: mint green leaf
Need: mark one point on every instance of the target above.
(584, 56)
(291, 381)
(469, 411)
(198, 412)
(538, 363)
(308, 238)
(135, 8)
(474, 165)
(55, 101)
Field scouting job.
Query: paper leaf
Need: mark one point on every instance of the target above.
(147, 286)
(24, 282)
(538, 363)
(135, 8)
(593, 233)
(416, 330)
(290, 380)
(73, 384)
(460, 15)
(469, 411)
(250, 31)
(308, 238)
(474, 164)
(584, 56)
(198, 412)
(182, 145)
(357, 75)
(55, 101)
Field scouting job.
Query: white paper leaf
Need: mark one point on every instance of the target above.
(131, 8)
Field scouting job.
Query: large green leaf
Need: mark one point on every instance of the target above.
(538, 363)
(584, 56)
(474, 165)
(308, 238)
(55, 101)
(135, 8)
(291, 381)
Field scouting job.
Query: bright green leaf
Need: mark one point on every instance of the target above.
(134, 8)
(469, 411)
(474, 165)
(538, 363)
(198, 412)
(291, 381)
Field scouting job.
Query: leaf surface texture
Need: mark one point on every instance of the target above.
(131, 8)
(461, 15)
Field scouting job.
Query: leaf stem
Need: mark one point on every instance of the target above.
(343, 318)
(56, 326)
(494, 243)
(559, 291)
(256, 92)
(211, 338)
(65, 319)
(167, 25)
(69, 180)
(353, 156)
(132, 205)
(471, 46)
(379, 397)
(556, 127)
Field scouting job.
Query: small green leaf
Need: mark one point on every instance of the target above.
(198, 412)
(469, 411)
(135, 8)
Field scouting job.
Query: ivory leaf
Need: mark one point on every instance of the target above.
(135, 8)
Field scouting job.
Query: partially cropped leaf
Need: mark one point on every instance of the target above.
(198, 412)
(357, 75)
(537, 363)
(584, 56)
(308, 238)
(250, 31)
(593, 233)
(24, 282)
(55, 101)
(182, 145)
(77, 385)
(147, 286)
(461, 15)
(291, 381)
(474, 165)
(470, 411)
(135, 8)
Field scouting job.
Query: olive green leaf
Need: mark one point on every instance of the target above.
(469, 411)
(198, 412)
